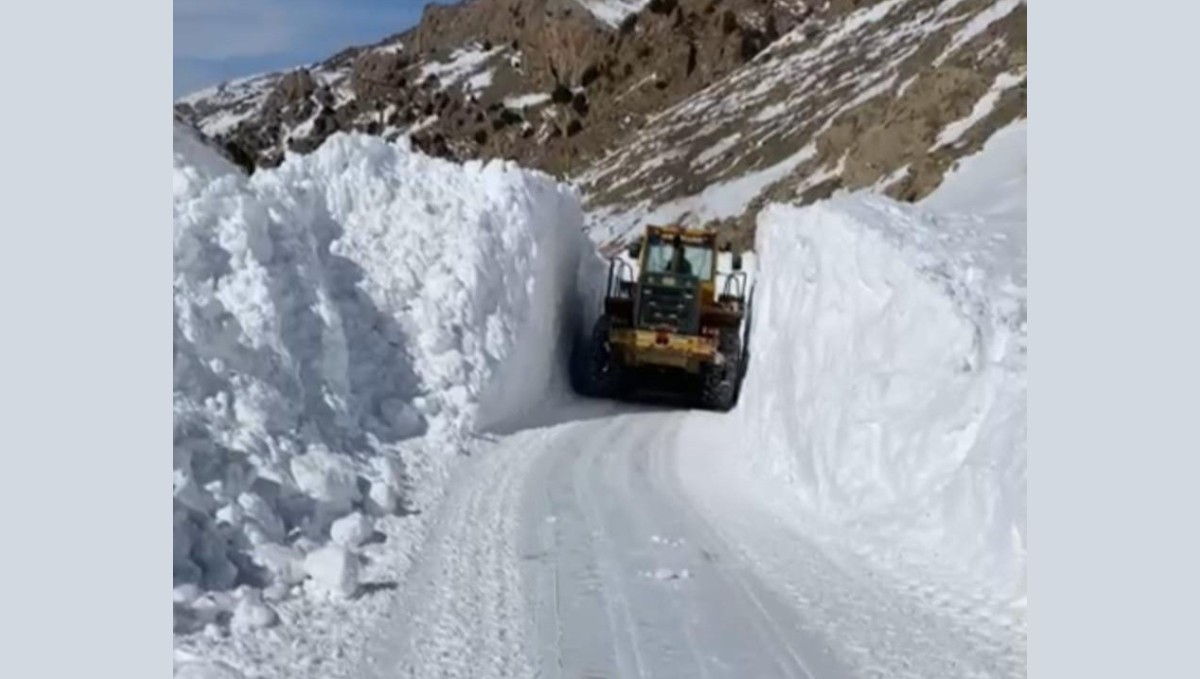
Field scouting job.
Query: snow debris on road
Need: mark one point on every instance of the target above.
(668, 574)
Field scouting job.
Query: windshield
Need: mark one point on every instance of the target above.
(696, 261)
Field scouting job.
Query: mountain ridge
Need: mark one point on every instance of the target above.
(794, 100)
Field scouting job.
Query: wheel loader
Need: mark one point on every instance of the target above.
(665, 326)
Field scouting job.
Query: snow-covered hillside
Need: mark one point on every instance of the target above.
(883, 97)
(342, 323)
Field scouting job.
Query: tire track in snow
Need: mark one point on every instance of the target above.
(767, 626)
(461, 614)
(872, 626)
(640, 465)
(614, 593)
(549, 560)
(621, 496)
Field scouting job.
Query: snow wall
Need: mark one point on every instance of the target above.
(346, 301)
(885, 396)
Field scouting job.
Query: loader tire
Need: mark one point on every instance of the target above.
(720, 387)
(744, 360)
(605, 377)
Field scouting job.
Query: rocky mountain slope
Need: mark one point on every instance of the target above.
(662, 109)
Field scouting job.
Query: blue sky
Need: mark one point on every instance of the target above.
(216, 40)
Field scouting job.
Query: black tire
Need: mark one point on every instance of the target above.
(744, 360)
(719, 389)
(603, 373)
(578, 362)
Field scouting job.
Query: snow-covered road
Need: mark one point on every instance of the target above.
(611, 545)
(380, 469)
(631, 580)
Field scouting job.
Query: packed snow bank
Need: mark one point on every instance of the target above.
(327, 311)
(197, 163)
(886, 390)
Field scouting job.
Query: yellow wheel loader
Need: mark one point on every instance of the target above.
(665, 326)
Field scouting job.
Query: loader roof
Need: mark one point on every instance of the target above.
(699, 236)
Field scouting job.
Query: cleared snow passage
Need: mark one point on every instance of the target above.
(624, 542)
(955, 130)
(861, 512)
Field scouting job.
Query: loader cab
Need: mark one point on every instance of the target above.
(676, 278)
(663, 252)
(672, 256)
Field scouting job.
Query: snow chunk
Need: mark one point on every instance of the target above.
(668, 574)
(284, 564)
(185, 594)
(326, 477)
(254, 508)
(334, 571)
(251, 613)
(352, 530)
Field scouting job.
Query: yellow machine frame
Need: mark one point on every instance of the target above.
(664, 347)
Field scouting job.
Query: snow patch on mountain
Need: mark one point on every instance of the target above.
(465, 64)
(613, 12)
(717, 201)
(955, 130)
